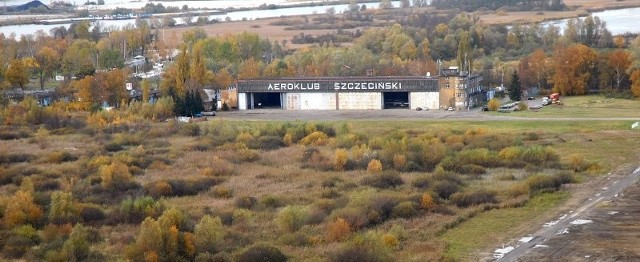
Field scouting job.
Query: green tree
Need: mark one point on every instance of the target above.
(110, 58)
(79, 59)
(145, 90)
(148, 243)
(76, 248)
(464, 54)
(515, 90)
(209, 234)
(62, 210)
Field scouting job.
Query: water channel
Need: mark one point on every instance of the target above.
(230, 16)
(618, 21)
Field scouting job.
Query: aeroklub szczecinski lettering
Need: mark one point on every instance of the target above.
(336, 86)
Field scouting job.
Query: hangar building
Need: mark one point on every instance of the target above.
(450, 89)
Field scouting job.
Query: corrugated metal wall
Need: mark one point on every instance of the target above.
(242, 101)
(310, 101)
(360, 100)
(430, 100)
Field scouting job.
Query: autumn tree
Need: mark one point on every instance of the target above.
(49, 61)
(533, 70)
(115, 175)
(86, 93)
(250, 69)
(277, 68)
(573, 68)
(111, 86)
(199, 75)
(620, 61)
(635, 80)
(21, 209)
(17, 74)
(223, 79)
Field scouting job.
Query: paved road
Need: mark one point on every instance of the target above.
(611, 190)
(387, 114)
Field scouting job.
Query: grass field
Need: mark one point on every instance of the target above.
(423, 190)
(487, 229)
(586, 107)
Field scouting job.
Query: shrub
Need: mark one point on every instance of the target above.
(291, 218)
(116, 175)
(159, 189)
(542, 183)
(422, 182)
(267, 143)
(189, 129)
(399, 162)
(17, 246)
(356, 218)
(58, 157)
(316, 138)
(493, 104)
(405, 209)
(287, 139)
(390, 240)
(261, 252)
(218, 257)
(189, 187)
(338, 230)
(247, 155)
(222, 192)
(427, 202)
(446, 188)
(15, 158)
(135, 210)
(384, 180)
(340, 159)
(518, 189)
(467, 199)
(271, 201)
(295, 239)
(374, 166)
(246, 202)
(90, 213)
(315, 215)
(355, 253)
(331, 182)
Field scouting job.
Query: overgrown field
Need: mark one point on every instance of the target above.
(110, 189)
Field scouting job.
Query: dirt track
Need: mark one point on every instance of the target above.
(387, 115)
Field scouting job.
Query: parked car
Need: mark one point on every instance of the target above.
(485, 108)
(531, 98)
(451, 109)
(535, 106)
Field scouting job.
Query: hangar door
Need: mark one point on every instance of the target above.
(396, 100)
(265, 101)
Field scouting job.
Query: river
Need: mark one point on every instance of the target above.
(233, 16)
(618, 21)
